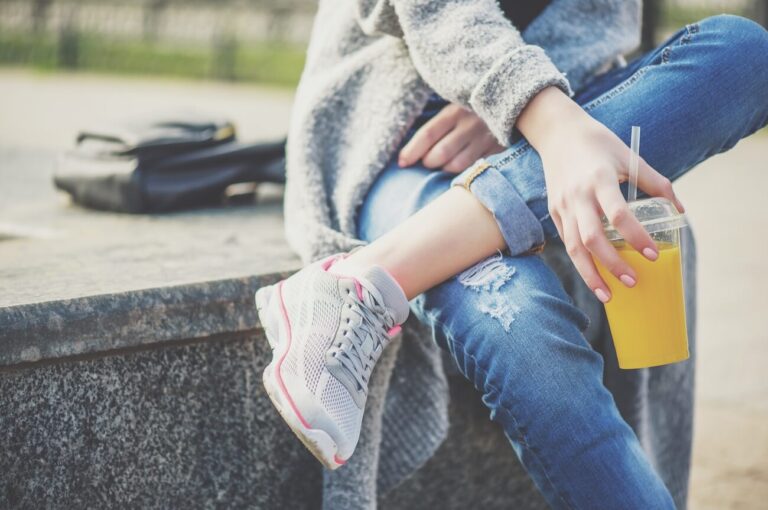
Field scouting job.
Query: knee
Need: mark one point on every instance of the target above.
(735, 63)
(741, 40)
(731, 25)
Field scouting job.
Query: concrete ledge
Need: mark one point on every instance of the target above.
(131, 361)
(86, 325)
(182, 426)
(76, 282)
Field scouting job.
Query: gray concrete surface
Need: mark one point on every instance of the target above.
(183, 426)
(40, 115)
(131, 354)
(725, 199)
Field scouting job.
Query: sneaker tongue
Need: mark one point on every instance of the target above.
(391, 292)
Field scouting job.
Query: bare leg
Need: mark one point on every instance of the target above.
(445, 237)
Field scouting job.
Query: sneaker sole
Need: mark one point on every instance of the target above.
(317, 441)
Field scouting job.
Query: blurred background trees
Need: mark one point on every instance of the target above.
(234, 40)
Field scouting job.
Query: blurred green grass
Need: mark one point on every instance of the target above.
(673, 16)
(268, 63)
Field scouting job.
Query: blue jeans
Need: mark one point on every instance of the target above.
(507, 322)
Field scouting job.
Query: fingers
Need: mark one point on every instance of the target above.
(477, 148)
(594, 239)
(583, 260)
(656, 185)
(618, 213)
(449, 146)
(452, 140)
(428, 135)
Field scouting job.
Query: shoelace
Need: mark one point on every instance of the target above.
(376, 319)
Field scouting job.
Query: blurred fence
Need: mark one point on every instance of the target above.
(249, 40)
(232, 40)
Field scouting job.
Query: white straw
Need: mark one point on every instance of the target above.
(634, 161)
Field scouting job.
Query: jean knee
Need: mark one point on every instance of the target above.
(731, 65)
(732, 25)
(744, 42)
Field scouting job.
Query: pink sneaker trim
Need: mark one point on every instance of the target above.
(394, 330)
(328, 262)
(330, 259)
(326, 265)
(280, 382)
(358, 288)
(338, 460)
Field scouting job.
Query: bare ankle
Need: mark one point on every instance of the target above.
(348, 266)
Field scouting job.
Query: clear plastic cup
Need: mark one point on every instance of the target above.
(647, 321)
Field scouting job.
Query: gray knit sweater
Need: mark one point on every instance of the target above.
(371, 66)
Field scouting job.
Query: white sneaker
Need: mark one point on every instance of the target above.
(327, 332)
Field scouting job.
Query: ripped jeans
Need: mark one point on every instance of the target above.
(507, 322)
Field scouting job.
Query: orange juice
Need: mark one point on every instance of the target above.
(647, 321)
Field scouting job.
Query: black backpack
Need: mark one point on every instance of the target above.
(149, 166)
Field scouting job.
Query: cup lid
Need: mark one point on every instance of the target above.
(655, 215)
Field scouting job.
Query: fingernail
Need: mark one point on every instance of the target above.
(627, 280)
(650, 253)
(602, 295)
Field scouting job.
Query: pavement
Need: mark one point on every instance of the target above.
(730, 459)
(40, 113)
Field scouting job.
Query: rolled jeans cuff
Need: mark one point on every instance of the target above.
(520, 228)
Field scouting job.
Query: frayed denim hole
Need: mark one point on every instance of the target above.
(500, 308)
(665, 55)
(488, 274)
(488, 277)
(690, 31)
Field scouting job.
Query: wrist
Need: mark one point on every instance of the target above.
(549, 117)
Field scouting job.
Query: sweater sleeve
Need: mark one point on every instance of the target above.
(469, 53)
